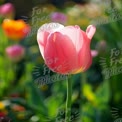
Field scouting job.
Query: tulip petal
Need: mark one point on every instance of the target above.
(76, 35)
(60, 47)
(90, 31)
(82, 45)
(85, 58)
(43, 33)
(50, 27)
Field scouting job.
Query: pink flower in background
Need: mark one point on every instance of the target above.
(15, 52)
(7, 10)
(58, 17)
(65, 49)
(94, 53)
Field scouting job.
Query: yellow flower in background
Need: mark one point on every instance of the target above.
(21, 115)
(15, 29)
(88, 93)
(2, 105)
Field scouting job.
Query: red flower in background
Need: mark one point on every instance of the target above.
(65, 49)
(2, 114)
(15, 29)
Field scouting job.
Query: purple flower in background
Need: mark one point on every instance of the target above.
(58, 17)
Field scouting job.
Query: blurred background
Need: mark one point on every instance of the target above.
(30, 92)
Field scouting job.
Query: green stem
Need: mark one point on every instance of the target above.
(83, 82)
(68, 101)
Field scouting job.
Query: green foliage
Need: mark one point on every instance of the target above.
(23, 100)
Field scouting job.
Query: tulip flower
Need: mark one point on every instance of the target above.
(58, 17)
(15, 52)
(15, 29)
(65, 50)
(7, 10)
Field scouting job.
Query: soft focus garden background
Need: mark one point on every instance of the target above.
(97, 93)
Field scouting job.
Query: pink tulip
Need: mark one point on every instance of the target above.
(58, 17)
(15, 52)
(7, 10)
(65, 50)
